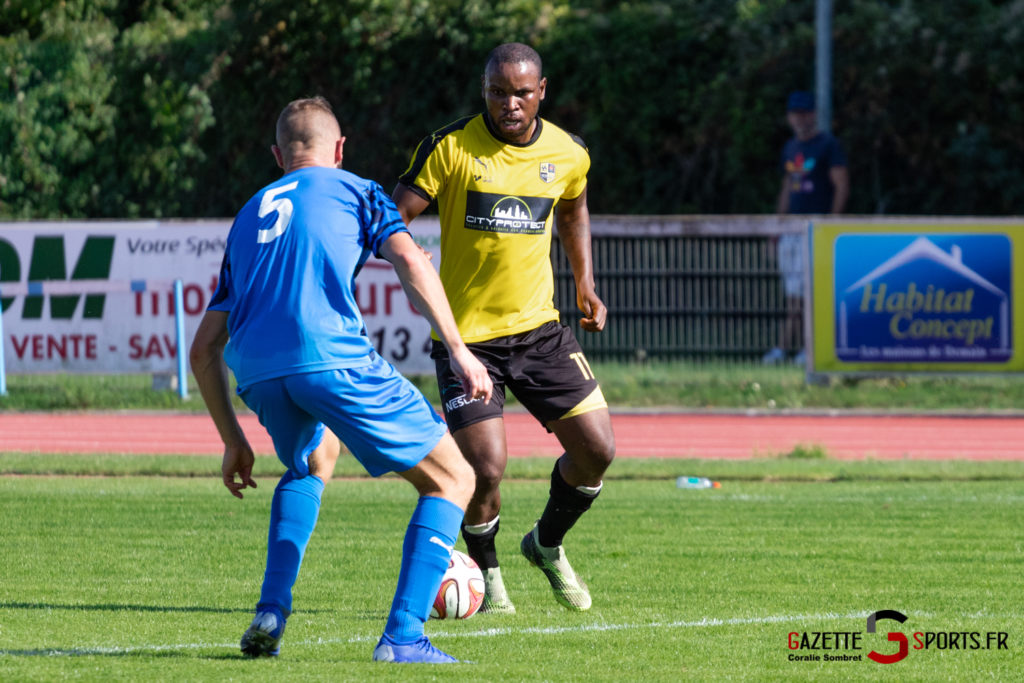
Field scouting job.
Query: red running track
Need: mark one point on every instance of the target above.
(667, 435)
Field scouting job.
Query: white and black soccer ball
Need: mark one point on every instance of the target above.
(462, 589)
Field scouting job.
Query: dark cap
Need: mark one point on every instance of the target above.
(800, 100)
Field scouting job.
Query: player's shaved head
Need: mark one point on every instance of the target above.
(514, 53)
(308, 134)
(306, 123)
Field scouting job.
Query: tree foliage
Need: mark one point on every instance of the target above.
(103, 109)
(111, 108)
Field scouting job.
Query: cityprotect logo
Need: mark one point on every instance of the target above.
(507, 213)
(856, 646)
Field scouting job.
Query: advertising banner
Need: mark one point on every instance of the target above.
(97, 297)
(915, 296)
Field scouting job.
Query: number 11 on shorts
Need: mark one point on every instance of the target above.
(583, 365)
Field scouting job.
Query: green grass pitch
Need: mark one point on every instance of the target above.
(154, 578)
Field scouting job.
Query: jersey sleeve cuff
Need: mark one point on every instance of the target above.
(416, 190)
(386, 233)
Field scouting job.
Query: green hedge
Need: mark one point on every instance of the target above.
(113, 108)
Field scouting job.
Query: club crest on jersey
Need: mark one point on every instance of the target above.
(547, 171)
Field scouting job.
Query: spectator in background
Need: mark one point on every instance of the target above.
(815, 180)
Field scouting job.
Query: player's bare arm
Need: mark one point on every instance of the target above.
(573, 220)
(207, 358)
(408, 202)
(424, 289)
(782, 203)
(409, 206)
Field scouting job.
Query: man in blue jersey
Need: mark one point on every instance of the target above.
(284, 319)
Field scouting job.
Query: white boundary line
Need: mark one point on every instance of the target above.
(706, 622)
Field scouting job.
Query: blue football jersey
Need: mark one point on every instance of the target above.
(288, 277)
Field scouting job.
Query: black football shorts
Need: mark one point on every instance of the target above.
(544, 368)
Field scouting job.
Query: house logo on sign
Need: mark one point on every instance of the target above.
(931, 298)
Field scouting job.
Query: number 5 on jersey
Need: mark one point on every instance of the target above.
(270, 203)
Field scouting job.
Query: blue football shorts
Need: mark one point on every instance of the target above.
(376, 412)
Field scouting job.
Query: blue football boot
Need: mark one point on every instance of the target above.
(418, 651)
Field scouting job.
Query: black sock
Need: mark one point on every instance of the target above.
(481, 547)
(564, 507)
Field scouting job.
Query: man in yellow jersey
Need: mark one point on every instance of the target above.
(500, 178)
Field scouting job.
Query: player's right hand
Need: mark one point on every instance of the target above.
(238, 459)
(476, 381)
(595, 314)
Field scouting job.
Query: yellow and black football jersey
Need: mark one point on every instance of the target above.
(497, 201)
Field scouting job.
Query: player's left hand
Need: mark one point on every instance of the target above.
(595, 312)
(476, 381)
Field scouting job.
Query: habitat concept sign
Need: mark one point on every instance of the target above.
(915, 296)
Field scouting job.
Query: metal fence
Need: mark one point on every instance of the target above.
(692, 288)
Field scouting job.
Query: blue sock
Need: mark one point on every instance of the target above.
(425, 554)
(293, 515)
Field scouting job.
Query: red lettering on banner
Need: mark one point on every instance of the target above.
(159, 345)
(55, 346)
(19, 349)
(154, 304)
(390, 289)
(193, 300)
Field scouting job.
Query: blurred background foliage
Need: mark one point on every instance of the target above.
(165, 108)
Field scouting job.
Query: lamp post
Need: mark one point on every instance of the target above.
(823, 63)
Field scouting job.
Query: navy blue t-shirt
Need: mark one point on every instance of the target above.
(287, 280)
(806, 165)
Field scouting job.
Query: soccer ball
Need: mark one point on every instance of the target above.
(462, 589)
